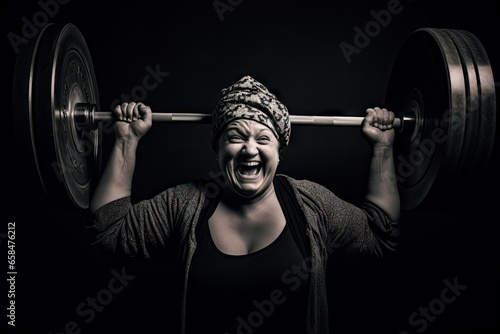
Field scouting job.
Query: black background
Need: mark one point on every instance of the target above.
(293, 48)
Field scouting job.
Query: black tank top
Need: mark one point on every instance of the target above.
(261, 292)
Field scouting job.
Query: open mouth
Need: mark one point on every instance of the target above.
(249, 169)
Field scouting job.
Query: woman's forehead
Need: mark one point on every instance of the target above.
(247, 125)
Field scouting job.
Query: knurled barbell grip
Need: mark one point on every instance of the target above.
(87, 117)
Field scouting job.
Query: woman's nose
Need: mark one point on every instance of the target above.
(250, 147)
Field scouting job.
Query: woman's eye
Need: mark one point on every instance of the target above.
(235, 138)
(263, 139)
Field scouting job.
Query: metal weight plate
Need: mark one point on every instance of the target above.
(481, 107)
(61, 74)
(427, 82)
(473, 107)
(22, 110)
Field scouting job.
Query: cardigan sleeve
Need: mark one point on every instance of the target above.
(147, 227)
(363, 229)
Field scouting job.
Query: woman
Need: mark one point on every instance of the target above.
(252, 255)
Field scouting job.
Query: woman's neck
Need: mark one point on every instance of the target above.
(248, 204)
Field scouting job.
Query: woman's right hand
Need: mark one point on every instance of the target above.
(133, 120)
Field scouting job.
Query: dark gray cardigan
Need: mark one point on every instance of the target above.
(168, 220)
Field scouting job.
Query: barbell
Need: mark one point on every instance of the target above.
(441, 87)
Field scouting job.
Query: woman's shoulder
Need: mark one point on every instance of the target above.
(305, 185)
(182, 190)
(199, 186)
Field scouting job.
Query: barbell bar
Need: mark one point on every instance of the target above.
(441, 86)
(86, 118)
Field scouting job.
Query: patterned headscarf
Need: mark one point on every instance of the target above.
(249, 99)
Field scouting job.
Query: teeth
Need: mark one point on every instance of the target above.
(249, 163)
(249, 169)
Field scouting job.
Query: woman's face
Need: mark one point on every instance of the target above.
(248, 155)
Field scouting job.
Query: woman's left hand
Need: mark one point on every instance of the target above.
(377, 126)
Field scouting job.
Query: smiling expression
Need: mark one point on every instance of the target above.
(248, 155)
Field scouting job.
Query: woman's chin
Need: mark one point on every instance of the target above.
(248, 187)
